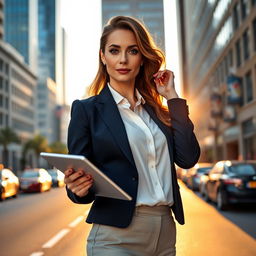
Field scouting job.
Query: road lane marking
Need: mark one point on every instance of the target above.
(76, 221)
(56, 238)
(37, 254)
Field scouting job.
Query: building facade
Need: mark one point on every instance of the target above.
(1, 19)
(150, 12)
(50, 67)
(17, 101)
(218, 60)
(20, 23)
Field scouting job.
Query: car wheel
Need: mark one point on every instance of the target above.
(221, 200)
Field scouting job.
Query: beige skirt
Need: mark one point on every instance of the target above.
(152, 232)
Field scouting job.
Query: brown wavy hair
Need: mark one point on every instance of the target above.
(153, 60)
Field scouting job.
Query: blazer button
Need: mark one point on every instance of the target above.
(134, 178)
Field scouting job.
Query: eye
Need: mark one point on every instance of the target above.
(134, 51)
(113, 51)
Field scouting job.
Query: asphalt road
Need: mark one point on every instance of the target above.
(42, 224)
(49, 224)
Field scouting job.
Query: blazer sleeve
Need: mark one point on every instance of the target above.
(186, 147)
(79, 143)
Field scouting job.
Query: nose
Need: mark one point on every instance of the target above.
(123, 58)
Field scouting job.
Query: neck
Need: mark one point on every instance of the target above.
(126, 89)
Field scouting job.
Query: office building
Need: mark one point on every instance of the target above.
(21, 30)
(50, 67)
(150, 12)
(218, 57)
(1, 19)
(17, 101)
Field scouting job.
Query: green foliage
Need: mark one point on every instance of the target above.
(8, 136)
(58, 147)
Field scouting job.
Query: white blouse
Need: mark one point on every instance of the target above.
(150, 152)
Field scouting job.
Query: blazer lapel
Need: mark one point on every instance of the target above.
(109, 112)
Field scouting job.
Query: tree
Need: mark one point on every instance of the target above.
(58, 147)
(7, 136)
(38, 144)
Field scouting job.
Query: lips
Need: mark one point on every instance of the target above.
(123, 70)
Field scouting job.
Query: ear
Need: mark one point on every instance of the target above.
(102, 57)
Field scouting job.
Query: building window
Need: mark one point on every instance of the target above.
(226, 68)
(238, 53)
(230, 58)
(249, 137)
(244, 9)
(246, 44)
(254, 33)
(253, 2)
(248, 87)
(6, 68)
(1, 64)
(235, 17)
(1, 82)
(6, 86)
(6, 120)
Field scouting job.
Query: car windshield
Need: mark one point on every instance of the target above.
(30, 174)
(203, 169)
(243, 169)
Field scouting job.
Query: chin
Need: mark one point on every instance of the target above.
(123, 79)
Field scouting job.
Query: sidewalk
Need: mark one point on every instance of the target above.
(207, 232)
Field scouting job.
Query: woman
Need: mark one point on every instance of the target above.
(128, 134)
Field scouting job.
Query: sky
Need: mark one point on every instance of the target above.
(82, 22)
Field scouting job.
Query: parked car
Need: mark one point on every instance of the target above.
(202, 183)
(57, 177)
(194, 174)
(232, 182)
(9, 184)
(35, 180)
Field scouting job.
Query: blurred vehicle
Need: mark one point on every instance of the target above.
(202, 183)
(183, 175)
(194, 174)
(232, 182)
(35, 180)
(57, 177)
(9, 184)
(178, 172)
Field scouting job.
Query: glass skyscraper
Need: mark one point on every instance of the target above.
(150, 12)
(46, 39)
(20, 27)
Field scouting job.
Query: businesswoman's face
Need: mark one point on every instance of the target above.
(122, 57)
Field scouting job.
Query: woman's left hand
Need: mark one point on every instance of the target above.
(164, 80)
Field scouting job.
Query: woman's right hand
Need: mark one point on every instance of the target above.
(78, 182)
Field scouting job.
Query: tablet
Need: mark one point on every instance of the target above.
(102, 185)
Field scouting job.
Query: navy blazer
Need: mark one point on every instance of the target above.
(97, 131)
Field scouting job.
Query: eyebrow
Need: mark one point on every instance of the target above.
(118, 46)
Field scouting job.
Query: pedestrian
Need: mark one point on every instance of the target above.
(127, 132)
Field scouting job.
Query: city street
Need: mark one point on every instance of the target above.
(49, 224)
